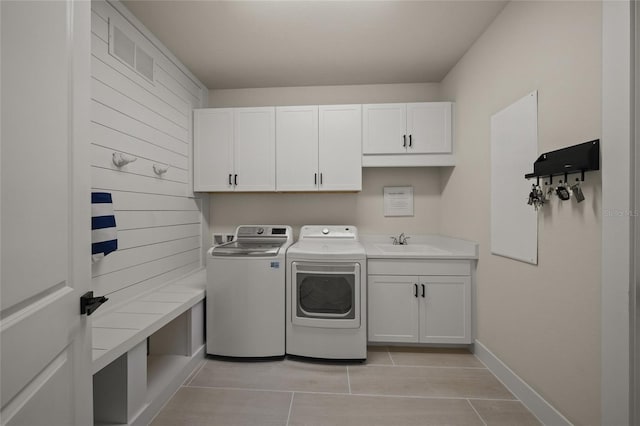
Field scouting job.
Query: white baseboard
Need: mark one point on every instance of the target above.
(540, 408)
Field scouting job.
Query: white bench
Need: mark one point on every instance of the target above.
(145, 348)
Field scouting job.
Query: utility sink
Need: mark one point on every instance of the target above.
(415, 249)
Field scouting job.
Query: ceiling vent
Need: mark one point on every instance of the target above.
(122, 47)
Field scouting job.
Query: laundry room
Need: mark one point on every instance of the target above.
(319, 213)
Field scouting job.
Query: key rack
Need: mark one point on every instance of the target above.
(579, 158)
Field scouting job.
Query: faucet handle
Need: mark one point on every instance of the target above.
(394, 240)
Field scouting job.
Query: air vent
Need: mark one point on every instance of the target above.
(125, 49)
(144, 63)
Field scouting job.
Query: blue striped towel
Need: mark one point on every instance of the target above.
(104, 239)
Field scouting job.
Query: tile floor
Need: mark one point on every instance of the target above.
(396, 386)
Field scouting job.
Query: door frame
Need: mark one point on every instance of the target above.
(619, 263)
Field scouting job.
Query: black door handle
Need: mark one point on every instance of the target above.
(88, 303)
(423, 289)
(315, 178)
(410, 141)
(235, 180)
(320, 178)
(404, 141)
(230, 179)
(415, 290)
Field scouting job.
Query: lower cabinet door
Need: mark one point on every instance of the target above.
(445, 309)
(393, 308)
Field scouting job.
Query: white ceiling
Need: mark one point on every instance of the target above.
(243, 44)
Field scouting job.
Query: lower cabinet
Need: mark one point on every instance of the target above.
(419, 309)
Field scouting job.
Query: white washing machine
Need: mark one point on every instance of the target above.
(327, 294)
(246, 293)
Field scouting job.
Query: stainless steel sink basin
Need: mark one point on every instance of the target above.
(416, 249)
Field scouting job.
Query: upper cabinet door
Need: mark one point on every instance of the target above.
(384, 129)
(254, 149)
(297, 148)
(429, 127)
(340, 158)
(213, 149)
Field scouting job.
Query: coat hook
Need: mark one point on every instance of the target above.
(120, 159)
(160, 169)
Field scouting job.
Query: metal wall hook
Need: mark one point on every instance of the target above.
(160, 169)
(120, 160)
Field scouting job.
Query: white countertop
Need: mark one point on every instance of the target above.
(419, 247)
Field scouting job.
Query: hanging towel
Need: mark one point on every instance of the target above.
(103, 226)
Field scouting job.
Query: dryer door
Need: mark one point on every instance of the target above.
(326, 294)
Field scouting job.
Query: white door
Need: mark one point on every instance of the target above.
(45, 370)
(429, 128)
(384, 129)
(254, 151)
(393, 308)
(213, 149)
(340, 148)
(297, 148)
(445, 309)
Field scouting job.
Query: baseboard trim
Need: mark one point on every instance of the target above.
(540, 408)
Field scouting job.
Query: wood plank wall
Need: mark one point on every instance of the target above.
(159, 222)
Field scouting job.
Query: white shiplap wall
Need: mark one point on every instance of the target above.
(159, 222)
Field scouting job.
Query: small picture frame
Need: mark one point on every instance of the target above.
(398, 201)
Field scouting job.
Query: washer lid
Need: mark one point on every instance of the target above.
(248, 248)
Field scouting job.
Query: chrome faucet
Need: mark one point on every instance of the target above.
(400, 240)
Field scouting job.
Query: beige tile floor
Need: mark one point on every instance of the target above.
(396, 386)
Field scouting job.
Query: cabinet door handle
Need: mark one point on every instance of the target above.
(235, 180)
(415, 290)
(404, 141)
(320, 178)
(315, 178)
(230, 183)
(423, 290)
(410, 141)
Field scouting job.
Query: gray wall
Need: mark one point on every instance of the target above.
(543, 321)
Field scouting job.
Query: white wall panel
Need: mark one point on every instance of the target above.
(155, 218)
(160, 229)
(112, 179)
(153, 202)
(121, 259)
(114, 119)
(119, 101)
(121, 142)
(147, 236)
(108, 283)
(103, 72)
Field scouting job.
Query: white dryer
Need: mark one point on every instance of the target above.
(246, 293)
(326, 294)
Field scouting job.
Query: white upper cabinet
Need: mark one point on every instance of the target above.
(297, 148)
(319, 148)
(213, 149)
(385, 129)
(234, 149)
(340, 148)
(254, 149)
(414, 134)
(429, 128)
